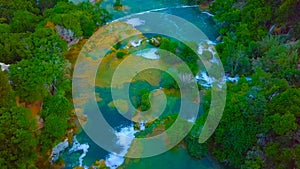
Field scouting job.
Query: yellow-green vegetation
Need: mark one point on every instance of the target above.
(99, 164)
(110, 63)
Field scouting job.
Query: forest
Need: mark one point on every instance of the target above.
(260, 127)
(260, 123)
(36, 40)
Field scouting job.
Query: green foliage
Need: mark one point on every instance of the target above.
(194, 148)
(120, 55)
(243, 23)
(46, 4)
(82, 18)
(234, 57)
(56, 111)
(24, 21)
(145, 103)
(7, 97)
(184, 52)
(13, 47)
(139, 94)
(45, 41)
(241, 122)
(272, 150)
(281, 157)
(10, 7)
(58, 105)
(54, 129)
(118, 4)
(279, 59)
(17, 138)
(34, 79)
(282, 124)
(4, 28)
(287, 101)
(255, 42)
(168, 82)
(164, 122)
(38, 72)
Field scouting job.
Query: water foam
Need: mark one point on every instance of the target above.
(142, 125)
(79, 147)
(150, 54)
(136, 44)
(135, 22)
(124, 138)
(58, 149)
(209, 14)
(154, 10)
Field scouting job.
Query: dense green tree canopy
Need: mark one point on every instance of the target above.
(7, 96)
(34, 79)
(82, 19)
(13, 47)
(32, 42)
(16, 135)
(45, 41)
(23, 21)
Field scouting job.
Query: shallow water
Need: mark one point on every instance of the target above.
(176, 158)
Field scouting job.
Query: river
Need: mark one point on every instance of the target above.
(84, 152)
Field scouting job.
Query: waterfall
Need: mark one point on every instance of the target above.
(124, 138)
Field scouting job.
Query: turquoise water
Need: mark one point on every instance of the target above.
(178, 157)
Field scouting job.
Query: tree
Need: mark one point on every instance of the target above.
(45, 41)
(23, 21)
(34, 79)
(241, 122)
(279, 59)
(82, 18)
(4, 28)
(281, 157)
(282, 124)
(46, 4)
(287, 101)
(54, 129)
(118, 5)
(234, 57)
(145, 103)
(58, 105)
(194, 148)
(7, 97)
(56, 111)
(17, 138)
(13, 47)
(10, 7)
